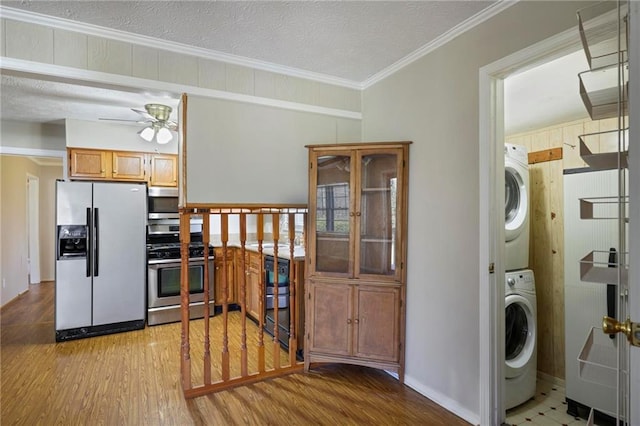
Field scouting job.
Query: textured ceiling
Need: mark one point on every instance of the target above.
(352, 40)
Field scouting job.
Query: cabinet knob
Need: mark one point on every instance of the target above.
(357, 213)
(357, 321)
(348, 320)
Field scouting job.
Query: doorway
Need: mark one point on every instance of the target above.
(492, 78)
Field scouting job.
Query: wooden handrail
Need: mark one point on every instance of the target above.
(244, 356)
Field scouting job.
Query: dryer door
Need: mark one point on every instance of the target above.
(520, 334)
(516, 203)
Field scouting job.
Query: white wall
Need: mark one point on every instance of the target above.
(246, 153)
(35, 136)
(434, 102)
(113, 136)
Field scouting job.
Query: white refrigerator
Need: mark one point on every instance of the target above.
(100, 258)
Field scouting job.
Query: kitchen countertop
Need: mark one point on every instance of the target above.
(267, 248)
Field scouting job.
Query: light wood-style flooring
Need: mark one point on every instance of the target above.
(133, 379)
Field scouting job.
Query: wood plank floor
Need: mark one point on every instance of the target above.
(133, 379)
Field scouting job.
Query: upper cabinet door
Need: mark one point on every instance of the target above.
(377, 248)
(331, 208)
(164, 170)
(128, 165)
(88, 163)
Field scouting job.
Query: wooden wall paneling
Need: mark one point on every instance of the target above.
(540, 230)
(70, 49)
(109, 56)
(239, 79)
(571, 154)
(556, 201)
(609, 142)
(211, 74)
(35, 42)
(178, 68)
(3, 38)
(145, 62)
(28, 41)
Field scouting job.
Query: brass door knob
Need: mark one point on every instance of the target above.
(628, 328)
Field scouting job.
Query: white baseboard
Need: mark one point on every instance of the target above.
(443, 401)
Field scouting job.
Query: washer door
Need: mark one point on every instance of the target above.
(520, 334)
(516, 204)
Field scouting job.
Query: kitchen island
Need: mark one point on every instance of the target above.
(245, 277)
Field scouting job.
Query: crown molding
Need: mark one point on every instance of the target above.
(95, 30)
(454, 32)
(71, 75)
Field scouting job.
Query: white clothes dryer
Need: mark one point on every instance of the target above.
(516, 208)
(520, 337)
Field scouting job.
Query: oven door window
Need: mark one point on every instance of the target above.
(163, 204)
(169, 280)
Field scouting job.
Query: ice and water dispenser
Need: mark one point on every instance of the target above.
(72, 242)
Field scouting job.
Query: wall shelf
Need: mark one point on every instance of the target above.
(599, 30)
(594, 268)
(598, 359)
(599, 92)
(602, 159)
(603, 207)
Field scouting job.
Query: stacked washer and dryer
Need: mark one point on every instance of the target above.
(520, 291)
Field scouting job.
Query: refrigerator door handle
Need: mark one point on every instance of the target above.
(89, 242)
(96, 228)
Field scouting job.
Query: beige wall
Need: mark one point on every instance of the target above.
(435, 103)
(14, 170)
(18, 134)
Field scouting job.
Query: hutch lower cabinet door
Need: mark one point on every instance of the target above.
(355, 321)
(356, 254)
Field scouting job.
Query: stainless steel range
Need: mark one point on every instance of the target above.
(164, 270)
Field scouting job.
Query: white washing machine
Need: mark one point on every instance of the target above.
(516, 208)
(520, 337)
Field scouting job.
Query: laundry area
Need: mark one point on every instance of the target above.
(566, 200)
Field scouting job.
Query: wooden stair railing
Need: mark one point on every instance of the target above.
(244, 357)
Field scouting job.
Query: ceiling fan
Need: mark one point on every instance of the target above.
(158, 127)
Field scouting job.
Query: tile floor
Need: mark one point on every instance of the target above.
(547, 407)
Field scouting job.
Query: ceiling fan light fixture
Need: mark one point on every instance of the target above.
(163, 136)
(148, 133)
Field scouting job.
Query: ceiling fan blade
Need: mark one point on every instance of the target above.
(126, 121)
(145, 114)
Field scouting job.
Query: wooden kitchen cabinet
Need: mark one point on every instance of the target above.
(356, 254)
(163, 170)
(123, 166)
(253, 279)
(219, 277)
(89, 164)
(128, 165)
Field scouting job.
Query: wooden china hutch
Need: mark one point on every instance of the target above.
(356, 254)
